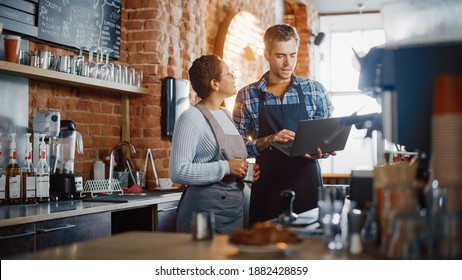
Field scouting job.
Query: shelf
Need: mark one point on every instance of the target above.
(69, 79)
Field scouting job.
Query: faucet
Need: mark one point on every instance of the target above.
(111, 160)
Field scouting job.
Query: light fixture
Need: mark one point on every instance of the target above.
(318, 38)
(360, 5)
(356, 59)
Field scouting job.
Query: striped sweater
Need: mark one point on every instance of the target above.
(194, 148)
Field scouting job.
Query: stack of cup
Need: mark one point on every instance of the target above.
(447, 164)
(447, 129)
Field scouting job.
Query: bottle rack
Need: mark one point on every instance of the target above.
(104, 186)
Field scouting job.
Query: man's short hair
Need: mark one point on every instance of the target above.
(279, 32)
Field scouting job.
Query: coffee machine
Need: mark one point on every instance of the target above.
(398, 76)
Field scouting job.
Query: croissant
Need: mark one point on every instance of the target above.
(263, 233)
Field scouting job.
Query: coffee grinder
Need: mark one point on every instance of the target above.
(48, 124)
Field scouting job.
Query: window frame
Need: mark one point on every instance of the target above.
(353, 157)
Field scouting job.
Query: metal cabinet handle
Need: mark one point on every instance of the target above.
(167, 209)
(17, 235)
(43, 230)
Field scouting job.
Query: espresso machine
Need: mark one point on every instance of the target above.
(402, 78)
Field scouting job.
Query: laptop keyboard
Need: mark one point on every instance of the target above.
(285, 147)
(285, 144)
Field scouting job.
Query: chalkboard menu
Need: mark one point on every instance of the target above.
(81, 23)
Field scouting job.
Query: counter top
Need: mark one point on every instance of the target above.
(143, 245)
(11, 215)
(137, 245)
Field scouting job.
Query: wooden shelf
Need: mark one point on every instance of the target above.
(69, 79)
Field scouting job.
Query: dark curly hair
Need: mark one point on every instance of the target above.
(203, 70)
(279, 32)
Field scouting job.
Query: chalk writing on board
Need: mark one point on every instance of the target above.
(83, 23)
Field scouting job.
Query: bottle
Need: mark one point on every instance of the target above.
(28, 174)
(42, 179)
(2, 176)
(98, 170)
(13, 175)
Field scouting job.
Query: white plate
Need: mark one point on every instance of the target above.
(265, 249)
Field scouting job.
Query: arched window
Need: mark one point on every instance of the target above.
(240, 43)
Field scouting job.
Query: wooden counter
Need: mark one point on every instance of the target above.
(142, 245)
(180, 246)
(26, 229)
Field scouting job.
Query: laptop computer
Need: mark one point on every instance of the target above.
(327, 134)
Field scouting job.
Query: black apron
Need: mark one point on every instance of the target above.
(278, 171)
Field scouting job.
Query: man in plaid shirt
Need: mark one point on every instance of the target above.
(270, 110)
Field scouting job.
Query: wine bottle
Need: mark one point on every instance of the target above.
(13, 175)
(2, 176)
(42, 173)
(28, 174)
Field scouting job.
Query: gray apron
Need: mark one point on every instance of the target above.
(278, 171)
(224, 198)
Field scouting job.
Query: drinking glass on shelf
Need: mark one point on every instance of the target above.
(109, 66)
(131, 76)
(124, 76)
(118, 73)
(102, 66)
(79, 63)
(138, 78)
(92, 63)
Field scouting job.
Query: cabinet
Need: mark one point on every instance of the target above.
(139, 219)
(17, 240)
(158, 217)
(28, 238)
(166, 216)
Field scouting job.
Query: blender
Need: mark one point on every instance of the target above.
(64, 183)
(69, 139)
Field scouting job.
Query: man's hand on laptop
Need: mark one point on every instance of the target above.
(319, 154)
(284, 136)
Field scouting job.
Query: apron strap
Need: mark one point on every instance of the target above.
(217, 130)
(220, 135)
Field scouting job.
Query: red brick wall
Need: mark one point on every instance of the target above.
(217, 10)
(96, 114)
(160, 37)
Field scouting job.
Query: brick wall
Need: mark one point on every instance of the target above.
(160, 37)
